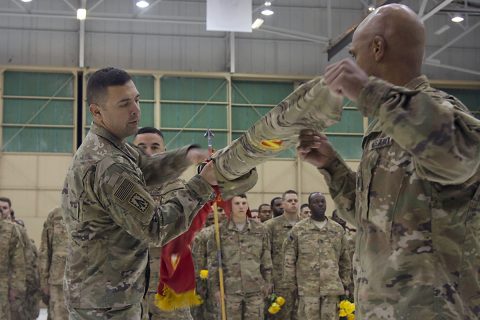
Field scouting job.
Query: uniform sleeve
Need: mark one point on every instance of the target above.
(165, 166)
(443, 138)
(266, 259)
(199, 253)
(121, 192)
(18, 272)
(341, 182)
(290, 248)
(345, 263)
(45, 256)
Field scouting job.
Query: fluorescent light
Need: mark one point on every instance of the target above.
(257, 23)
(457, 19)
(267, 12)
(26, 0)
(81, 14)
(142, 4)
(268, 3)
(371, 8)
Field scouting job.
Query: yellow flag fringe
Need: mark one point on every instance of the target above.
(170, 300)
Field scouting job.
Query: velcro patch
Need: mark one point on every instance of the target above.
(124, 189)
(380, 143)
(138, 202)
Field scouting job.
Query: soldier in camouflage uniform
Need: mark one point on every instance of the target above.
(206, 310)
(278, 229)
(110, 217)
(13, 275)
(29, 308)
(316, 263)
(246, 262)
(53, 253)
(415, 199)
(150, 140)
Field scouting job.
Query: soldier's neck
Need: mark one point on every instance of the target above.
(239, 219)
(291, 216)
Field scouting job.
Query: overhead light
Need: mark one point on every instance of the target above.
(26, 0)
(142, 4)
(81, 14)
(267, 12)
(457, 18)
(268, 3)
(257, 23)
(371, 8)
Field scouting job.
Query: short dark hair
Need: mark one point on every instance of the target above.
(311, 195)
(149, 130)
(305, 205)
(7, 200)
(263, 205)
(242, 195)
(289, 192)
(273, 201)
(101, 79)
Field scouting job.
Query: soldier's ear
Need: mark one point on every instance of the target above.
(95, 111)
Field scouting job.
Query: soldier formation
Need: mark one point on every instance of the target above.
(415, 203)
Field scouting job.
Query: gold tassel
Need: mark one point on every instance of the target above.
(170, 300)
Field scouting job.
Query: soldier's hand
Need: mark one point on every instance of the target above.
(267, 289)
(196, 155)
(346, 78)
(314, 148)
(12, 295)
(208, 173)
(46, 295)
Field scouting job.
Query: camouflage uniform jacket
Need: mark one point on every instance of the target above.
(246, 260)
(111, 218)
(316, 260)
(13, 275)
(53, 250)
(278, 229)
(415, 201)
(199, 251)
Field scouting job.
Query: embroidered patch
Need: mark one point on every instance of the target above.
(380, 143)
(124, 189)
(138, 202)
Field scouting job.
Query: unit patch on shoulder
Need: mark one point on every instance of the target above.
(380, 143)
(138, 202)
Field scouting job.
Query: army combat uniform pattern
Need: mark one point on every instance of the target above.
(415, 202)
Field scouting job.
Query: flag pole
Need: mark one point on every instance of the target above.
(209, 135)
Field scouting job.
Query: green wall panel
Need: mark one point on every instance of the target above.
(193, 89)
(351, 122)
(243, 117)
(145, 86)
(37, 139)
(147, 119)
(21, 111)
(261, 92)
(349, 147)
(174, 140)
(38, 84)
(180, 115)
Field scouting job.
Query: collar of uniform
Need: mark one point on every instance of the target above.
(286, 222)
(231, 225)
(104, 133)
(312, 225)
(418, 83)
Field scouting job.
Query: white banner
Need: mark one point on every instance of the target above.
(229, 15)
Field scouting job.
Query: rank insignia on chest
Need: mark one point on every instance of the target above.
(380, 143)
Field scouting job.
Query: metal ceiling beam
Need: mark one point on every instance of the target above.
(95, 5)
(70, 5)
(294, 34)
(421, 11)
(19, 5)
(444, 66)
(435, 10)
(448, 44)
(143, 11)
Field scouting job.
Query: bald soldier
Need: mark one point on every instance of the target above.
(415, 199)
(150, 141)
(110, 216)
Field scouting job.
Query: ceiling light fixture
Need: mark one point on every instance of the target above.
(142, 4)
(26, 0)
(81, 14)
(257, 23)
(371, 8)
(267, 12)
(268, 3)
(457, 18)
